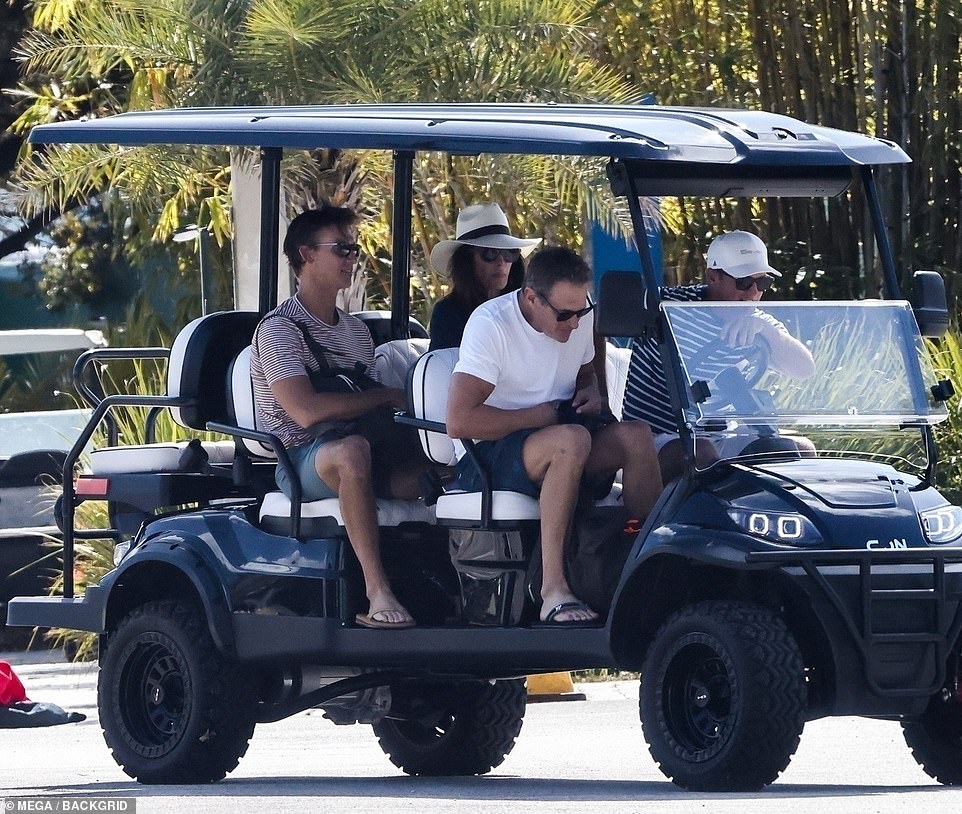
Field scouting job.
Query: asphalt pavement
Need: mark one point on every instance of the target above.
(574, 756)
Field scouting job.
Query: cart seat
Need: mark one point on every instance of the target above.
(428, 400)
(152, 458)
(617, 361)
(199, 359)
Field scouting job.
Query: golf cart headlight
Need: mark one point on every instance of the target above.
(120, 551)
(942, 525)
(786, 528)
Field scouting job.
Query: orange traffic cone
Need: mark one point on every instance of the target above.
(552, 687)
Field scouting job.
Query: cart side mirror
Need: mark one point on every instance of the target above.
(623, 308)
(929, 303)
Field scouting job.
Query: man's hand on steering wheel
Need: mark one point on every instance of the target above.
(742, 330)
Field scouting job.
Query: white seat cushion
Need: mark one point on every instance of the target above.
(505, 506)
(428, 397)
(163, 457)
(389, 512)
(393, 359)
(617, 361)
(242, 404)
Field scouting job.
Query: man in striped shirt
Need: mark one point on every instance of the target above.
(737, 271)
(322, 250)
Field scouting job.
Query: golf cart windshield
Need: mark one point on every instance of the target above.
(854, 365)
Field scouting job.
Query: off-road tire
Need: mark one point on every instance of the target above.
(172, 707)
(936, 740)
(466, 728)
(722, 698)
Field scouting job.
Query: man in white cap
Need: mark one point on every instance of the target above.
(737, 271)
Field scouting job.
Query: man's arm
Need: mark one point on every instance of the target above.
(588, 398)
(789, 356)
(469, 417)
(307, 407)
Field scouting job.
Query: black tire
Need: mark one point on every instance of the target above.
(723, 697)
(463, 728)
(172, 707)
(936, 740)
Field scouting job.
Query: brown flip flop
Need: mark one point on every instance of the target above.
(370, 620)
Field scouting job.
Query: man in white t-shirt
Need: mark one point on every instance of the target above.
(522, 355)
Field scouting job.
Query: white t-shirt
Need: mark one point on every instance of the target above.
(526, 367)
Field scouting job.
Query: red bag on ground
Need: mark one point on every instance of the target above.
(11, 690)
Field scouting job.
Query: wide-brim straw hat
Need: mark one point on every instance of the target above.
(483, 225)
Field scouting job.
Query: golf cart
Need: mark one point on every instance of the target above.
(764, 591)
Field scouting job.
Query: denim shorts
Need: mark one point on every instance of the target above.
(504, 461)
(302, 458)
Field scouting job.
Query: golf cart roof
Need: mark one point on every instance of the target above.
(753, 141)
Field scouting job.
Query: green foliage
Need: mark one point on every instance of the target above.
(74, 270)
(108, 56)
(947, 353)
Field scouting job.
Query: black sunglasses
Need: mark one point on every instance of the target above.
(489, 255)
(340, 248)
(563, 315)
(745, 283)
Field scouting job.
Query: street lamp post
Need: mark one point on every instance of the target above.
(202, 235)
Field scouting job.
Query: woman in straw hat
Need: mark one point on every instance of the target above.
(483, 261)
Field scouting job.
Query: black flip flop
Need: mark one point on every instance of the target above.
(549, 620)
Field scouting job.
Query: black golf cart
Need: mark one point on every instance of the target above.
(764, 591)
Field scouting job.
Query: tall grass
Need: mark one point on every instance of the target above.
(947, 354)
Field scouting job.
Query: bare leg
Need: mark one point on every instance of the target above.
(345, 466)
(406, 481)
(628, 446)
(671, 458)
(555, 457)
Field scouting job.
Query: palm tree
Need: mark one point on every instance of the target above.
(106, 56)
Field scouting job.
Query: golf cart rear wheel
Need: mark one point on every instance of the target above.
(723, 697)
(936, 740)
(463, 728)
(173, 709)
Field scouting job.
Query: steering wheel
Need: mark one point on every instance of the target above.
(734, 383)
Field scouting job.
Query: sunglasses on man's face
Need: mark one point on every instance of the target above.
(564, 314)
(340, 248)
(745, 283)
(489, 255)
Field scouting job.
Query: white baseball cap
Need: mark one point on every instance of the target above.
(740, 254)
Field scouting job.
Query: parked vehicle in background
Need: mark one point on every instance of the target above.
(33, 448)
(762, 592)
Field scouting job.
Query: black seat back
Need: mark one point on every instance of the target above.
(200, 359)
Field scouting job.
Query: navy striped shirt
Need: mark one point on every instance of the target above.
(646, 391)
(697, 336)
